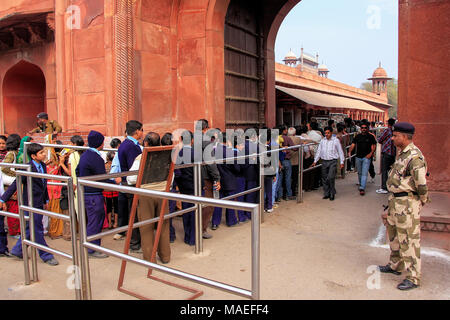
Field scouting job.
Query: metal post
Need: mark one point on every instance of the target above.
(256, 226)
(198, 208)
(199, 228)
(85, 275)
(73, 232)
(300, 176)
(345, 162)
(261, 190)
(25, 147)
(32, 226)
(26, 266)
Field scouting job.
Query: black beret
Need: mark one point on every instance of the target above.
(42, 115)
(404, 127)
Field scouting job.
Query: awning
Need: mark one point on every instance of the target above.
(327, 100)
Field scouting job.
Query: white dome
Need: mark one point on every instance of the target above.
(323, 67)
(290, 55)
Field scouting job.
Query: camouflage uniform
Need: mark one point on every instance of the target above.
(50, 127)
(408, 174)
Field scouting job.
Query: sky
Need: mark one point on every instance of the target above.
(351, 36)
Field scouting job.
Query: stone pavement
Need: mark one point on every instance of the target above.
(316, 250)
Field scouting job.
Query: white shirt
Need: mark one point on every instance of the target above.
(329, 150)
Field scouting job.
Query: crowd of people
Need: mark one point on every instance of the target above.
(220, 178)
(111, 209)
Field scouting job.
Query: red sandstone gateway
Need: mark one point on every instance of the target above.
(94, 64)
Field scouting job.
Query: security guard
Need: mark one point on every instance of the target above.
(408, 192)
(46, 126)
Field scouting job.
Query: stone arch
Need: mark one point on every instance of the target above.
(274, 12)
(24, 96)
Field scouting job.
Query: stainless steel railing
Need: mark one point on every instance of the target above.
(26, 213)
(254, 293)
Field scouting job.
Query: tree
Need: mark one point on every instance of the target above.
(392, 94)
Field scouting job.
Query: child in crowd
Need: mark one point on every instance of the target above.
(228, 172)
(91, 164)
(111, 197)
(40, 201)
(9, 175)
(4, 252)
(3, 150)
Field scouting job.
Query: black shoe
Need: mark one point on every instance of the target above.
(406, 285)
(387, 269)
(331, 198)
(326, 197)
(136, 249)
(214, 227)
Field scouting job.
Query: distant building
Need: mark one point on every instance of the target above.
(303, 91)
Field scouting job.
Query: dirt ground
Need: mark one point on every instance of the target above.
(315, 250)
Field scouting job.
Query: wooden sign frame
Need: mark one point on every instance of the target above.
(146, 153)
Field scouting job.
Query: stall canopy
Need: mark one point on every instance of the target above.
(327, 100)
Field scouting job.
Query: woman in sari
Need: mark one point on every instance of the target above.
(9, 175)
(56, 226)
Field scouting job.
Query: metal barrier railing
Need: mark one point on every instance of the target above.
(81, 260)
(21, 217)
(254, 293)
(74, 256)
(30, 210)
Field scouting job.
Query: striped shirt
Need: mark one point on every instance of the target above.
(387, 145)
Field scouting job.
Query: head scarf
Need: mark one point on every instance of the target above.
(20, 155)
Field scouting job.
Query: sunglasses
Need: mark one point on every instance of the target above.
(363, 127)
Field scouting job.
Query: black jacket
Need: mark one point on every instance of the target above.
(228, 171)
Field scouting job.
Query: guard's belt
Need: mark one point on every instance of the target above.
(404, 194)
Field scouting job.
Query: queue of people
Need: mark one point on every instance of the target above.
(108, 209)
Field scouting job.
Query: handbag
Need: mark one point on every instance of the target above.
(64, 199)
(7, 179)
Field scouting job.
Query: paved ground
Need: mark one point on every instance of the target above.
(315, 250)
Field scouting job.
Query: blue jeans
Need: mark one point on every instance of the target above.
(285, 175)
(362, 165)
(268, 192)
(275, 188)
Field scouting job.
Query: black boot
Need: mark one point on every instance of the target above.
(387, 269)
(406, 285)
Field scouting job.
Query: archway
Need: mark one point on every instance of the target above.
(23, 97)
(250, 30)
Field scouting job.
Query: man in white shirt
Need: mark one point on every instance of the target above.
(329, 151)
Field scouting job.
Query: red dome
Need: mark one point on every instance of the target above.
(379, 73)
